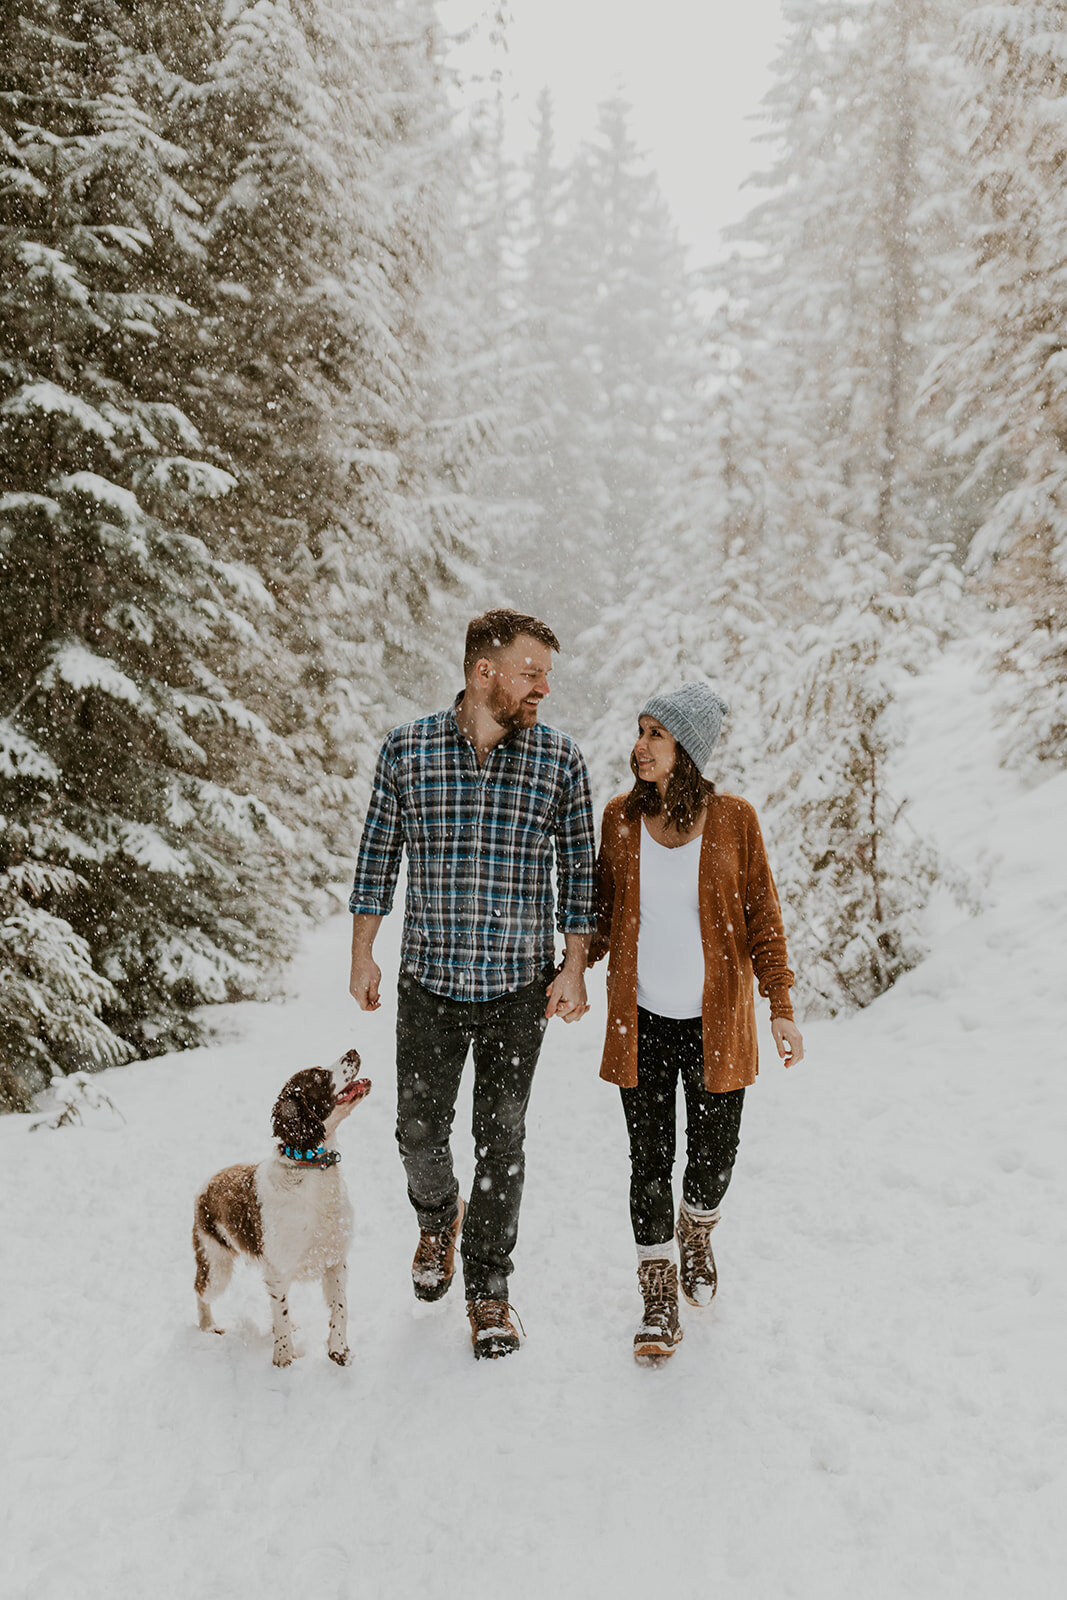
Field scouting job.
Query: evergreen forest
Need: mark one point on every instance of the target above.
(300, 367)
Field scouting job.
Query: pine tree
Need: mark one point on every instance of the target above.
(844, 268)
(463, 356)
(238, 480)
(1002, 377)
(611, 333)
(51, 996)
(559, 473)
(694, 609)
(327, 143)
(137, 830)
(488, 390)
(852, 875)
(637, 326)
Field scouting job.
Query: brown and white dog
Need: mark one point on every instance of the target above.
(291, 1212)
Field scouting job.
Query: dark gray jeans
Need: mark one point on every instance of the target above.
(433, 1037)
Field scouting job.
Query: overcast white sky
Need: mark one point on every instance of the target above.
(694, 70)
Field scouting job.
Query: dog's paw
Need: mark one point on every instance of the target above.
(282, 1358)
(343, 1357)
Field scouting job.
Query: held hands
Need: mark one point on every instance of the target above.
(566, 994)
(787, 1037)
(365, 981)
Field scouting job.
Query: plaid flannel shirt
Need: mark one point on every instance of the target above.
(478, 916)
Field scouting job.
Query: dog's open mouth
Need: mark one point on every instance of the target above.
(353, 1091)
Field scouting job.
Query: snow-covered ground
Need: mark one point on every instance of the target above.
(873, 1407)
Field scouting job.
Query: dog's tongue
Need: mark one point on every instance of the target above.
(354, 1091)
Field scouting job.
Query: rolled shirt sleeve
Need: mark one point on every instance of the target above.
(378, 865)
(575, 852)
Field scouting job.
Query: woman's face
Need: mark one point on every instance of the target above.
(654, 752)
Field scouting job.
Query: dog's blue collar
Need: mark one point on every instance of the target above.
(310, 1158)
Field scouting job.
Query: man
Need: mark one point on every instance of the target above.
(481, 795)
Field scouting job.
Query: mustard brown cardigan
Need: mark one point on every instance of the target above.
(741, 929)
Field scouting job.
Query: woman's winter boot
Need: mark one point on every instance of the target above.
(698, 1276)
(660, 1332)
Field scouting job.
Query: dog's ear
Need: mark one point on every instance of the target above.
(300, 1111)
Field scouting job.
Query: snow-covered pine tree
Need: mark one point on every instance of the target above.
(612, 331)
(465, 355)
(756, 450)
(487, 392)
(1002, 377)
(128, 828)
(325, 154)
(51, 996)
(282, 170)
(638, 332)
(683, 622)
(810, 488)
(695, 604)
(845, 264)
(852, 875)
(558, 473)
(939, 594)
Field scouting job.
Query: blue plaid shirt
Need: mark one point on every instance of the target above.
(478, 918)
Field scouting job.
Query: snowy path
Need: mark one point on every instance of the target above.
(873, 1408)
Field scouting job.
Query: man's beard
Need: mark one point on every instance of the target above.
(507, 716)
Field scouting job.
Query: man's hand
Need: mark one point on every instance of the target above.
(787, 1037)
(366, 978)
(566, 994)
(365, 982)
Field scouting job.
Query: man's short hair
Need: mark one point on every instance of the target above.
(495, 630)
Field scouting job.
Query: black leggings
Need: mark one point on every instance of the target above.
(667, 1047)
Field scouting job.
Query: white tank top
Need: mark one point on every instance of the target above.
(670, 952)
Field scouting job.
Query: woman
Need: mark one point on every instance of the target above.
(687, 910)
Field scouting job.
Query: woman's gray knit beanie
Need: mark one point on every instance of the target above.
(693, 714)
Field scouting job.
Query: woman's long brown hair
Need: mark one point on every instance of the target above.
(686, 794)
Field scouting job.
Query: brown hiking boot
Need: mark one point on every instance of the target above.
(698, 1277)
(492, 1330)
(434, 1265)
(659, 1333)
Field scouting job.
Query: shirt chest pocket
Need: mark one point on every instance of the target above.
(440, 809)
(529, 809)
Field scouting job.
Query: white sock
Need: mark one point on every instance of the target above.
(656, 1252)
(698, 1215)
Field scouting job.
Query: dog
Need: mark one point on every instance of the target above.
(290, 1213)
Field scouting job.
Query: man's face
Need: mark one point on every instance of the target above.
(519, 682)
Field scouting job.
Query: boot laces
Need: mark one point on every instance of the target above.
(695, 1240)
(433, 1247)
(657, 1293)
(493, 1316)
